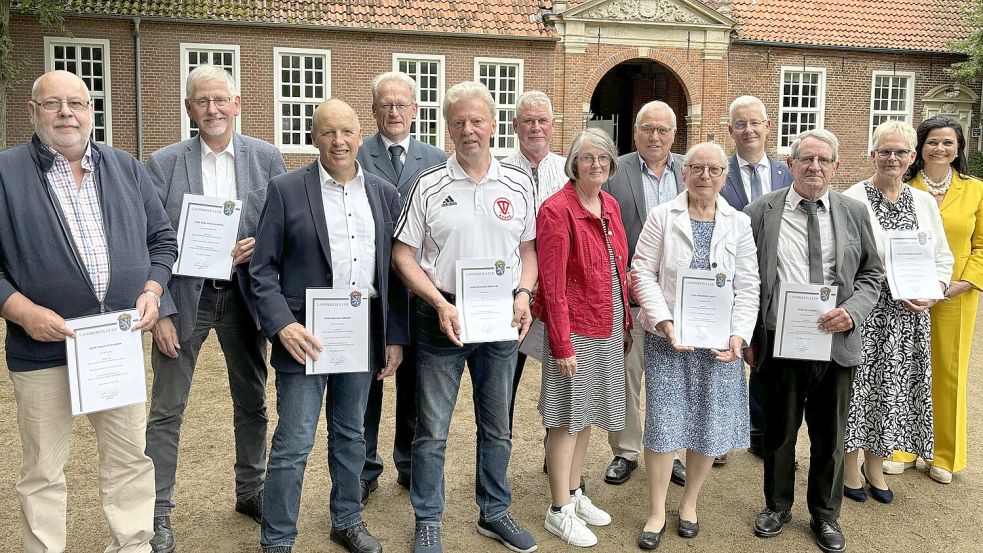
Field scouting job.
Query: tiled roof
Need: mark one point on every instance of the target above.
(928, 25)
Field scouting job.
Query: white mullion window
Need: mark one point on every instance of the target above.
(503, 77)
(428, 72)
(802, 101)
(192, 55)
(891, 99)
(301, 83)
(89, 59)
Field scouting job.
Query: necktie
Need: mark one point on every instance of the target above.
(396, 156)
(535, 176)
(755, 182)
(815, 244)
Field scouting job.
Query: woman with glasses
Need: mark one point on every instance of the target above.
(583, 291)
(695, 398)
(940, 169)
(891, 399)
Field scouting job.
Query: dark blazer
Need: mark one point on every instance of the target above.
(293, 254)
(733, 190)
(374, 158)
(857, 266)
(626, 187)
(176, 171)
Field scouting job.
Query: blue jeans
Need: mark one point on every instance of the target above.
(440, 365)
(298, 404)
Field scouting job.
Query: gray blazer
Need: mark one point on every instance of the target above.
(857, 268)
(374, 158)
(626, 187)
(175, 171)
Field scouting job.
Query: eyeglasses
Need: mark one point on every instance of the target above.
(886, 154)
(52, 104)
(823, 161)
(603, 160)
(754, 124)
(219, 102)
(475, 123)
(649, 130)
(697, 170)
(386, 108)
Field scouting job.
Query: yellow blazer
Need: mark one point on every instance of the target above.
(962, 217)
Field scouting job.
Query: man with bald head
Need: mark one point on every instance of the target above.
(83, 233)
(326, 225)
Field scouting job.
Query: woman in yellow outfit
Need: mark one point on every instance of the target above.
(940, 168)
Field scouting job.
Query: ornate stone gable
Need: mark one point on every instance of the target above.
(663, 11)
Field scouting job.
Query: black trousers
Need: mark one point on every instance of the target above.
(405, 419)
(757, 395)
(821, 392)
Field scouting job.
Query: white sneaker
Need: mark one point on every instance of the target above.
(566, 526)
(897, 467)
(940, 475)
(587, 511)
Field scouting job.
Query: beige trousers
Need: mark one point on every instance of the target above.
(628, 442)
(126, 475)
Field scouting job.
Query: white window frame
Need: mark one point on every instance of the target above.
(820, 109)
(520, 73)
(910, 101)
(184, 48)
(106, 94)
(279, 100)
(441, 63)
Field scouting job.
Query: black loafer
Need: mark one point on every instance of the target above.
(403, 480)
(356, 539)
(688, 529)
(368, 486)
(650, 540)
(770, 523)
(879, 495)
(856, 494)
(829, 537)
(619, 471)
(163, 540)
(678, 473)
(251, 506)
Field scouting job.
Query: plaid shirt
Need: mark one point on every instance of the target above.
(84, 217)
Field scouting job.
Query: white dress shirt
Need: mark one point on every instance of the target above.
(405, 143)
(218, 171)
(793, 241)
(764, 175)
(550, 174)
(351, 231)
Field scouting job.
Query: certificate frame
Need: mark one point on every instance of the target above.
(229, 208)
(797, 332)
(719, 290)
(351, 326)
(492, 308)
(132, 388)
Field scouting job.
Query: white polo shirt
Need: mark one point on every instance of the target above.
(551, 174)
(448, 216)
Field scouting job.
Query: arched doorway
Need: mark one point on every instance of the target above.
(626, 88)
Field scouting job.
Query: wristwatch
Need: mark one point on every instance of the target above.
(517, 291)
(154, 295)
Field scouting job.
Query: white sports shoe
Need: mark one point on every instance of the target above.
(897, 467)
(587, 511)
(940, 475)
(566, 526)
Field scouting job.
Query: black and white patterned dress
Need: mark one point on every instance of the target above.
(891, 404)
(595, 396)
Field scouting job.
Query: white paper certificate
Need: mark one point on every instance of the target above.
(704, 301)
(340, 320)
(206, 234)
(484, 301)
(910, 259)
(797, 332)
(105, 362)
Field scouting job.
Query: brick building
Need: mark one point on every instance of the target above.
(841, 64)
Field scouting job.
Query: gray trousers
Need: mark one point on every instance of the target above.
(245, 356)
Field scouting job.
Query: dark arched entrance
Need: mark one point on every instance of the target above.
(626, 88)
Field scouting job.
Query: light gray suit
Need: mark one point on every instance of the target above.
(196, 305)
(373, 156)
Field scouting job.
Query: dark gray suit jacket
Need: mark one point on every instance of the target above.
(374, 158)
(857, 268)
(175, 171)
(626, 187)
(733, 190)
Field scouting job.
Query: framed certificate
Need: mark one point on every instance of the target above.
(339, 318)
(484, 301)
(206, 235)
(704, 303)
(909, 259)
(797, 331)
(106, 367)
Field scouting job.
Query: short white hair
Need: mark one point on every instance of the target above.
(747, 102)
(894, 128)
(209, 72)
(713, 147)
(467, 90)
(819, 134)
(655, 104)
(397, 76)
(533, 98)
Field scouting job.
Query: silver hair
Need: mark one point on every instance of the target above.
(594, 137)
(746, 102)
(209, 72)
(655, 104)
(712, 146)
(819, 134)
(533, 98)
(894, 128)
(397, 76)
(467, 90)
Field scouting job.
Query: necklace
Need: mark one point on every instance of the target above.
(937, 188)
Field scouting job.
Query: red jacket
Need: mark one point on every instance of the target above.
(574, 270)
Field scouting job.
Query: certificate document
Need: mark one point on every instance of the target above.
(484, 300)
(206, 234)
(797, 332)
(704, 302)
(105, 362)
(339, 318)
(532, 345)
(909, 256)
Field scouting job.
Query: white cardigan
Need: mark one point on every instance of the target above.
(929, 218)
(665, 245)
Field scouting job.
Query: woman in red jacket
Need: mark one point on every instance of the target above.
(583, 291)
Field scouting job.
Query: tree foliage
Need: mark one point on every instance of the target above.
(972, 68)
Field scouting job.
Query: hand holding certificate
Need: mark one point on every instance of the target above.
(484, 301)
(207, 234)
(704, 302)
(339, 319)
(797, 333)
(105, 362)
(909, 258)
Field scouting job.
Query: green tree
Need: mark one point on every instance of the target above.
(50, 14)
(972, 68)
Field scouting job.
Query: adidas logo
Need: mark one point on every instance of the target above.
(448, 201)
